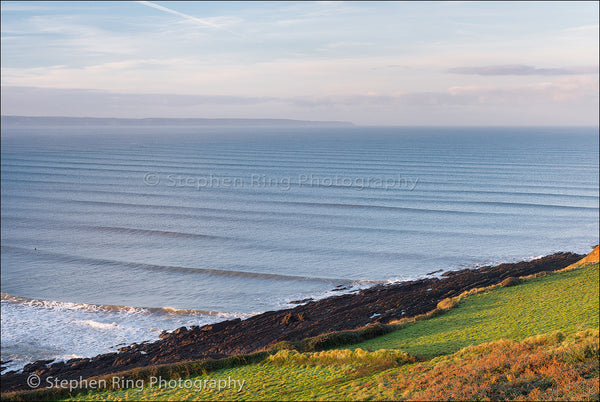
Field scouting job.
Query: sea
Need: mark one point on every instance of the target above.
(112, 234)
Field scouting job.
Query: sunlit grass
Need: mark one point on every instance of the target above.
(564, 301)
(511, 360)
(539, 368)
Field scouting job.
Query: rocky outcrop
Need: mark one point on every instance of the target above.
(378, 304)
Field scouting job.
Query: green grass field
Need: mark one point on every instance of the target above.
(565, 301)
(534, 341)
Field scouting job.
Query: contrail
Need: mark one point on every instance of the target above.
(186, 16)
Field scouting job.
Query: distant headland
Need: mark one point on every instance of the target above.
(221, 122)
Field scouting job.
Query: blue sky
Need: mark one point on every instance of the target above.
(373, 63)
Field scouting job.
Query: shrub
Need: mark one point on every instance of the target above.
(343, 338)
(447, 304)
(283, 345)
(582, 353)
(510, 281)
(360, 357)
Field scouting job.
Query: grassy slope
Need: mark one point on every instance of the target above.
(563, 301)
(544, 367)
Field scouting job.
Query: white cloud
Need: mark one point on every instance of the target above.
(521, 69)
(332, 61)
(572, 100)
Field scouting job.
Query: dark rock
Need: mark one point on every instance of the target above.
(303, 316)
(79, 363)
(57, 366)
(220, 325)
(341, 312)
(302, 301)
(126, 360)
(179, 331)
(289, 318)
(37, 365)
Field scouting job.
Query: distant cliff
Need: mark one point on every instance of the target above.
(99, 121)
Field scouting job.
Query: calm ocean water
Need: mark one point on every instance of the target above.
(111, 235)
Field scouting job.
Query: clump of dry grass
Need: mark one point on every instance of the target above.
(447, 303)
(510, 281)
(382, 357)
(336, 339)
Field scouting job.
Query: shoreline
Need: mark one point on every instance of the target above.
(347, 286)
(379, 304)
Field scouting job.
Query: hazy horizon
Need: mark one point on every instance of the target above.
(369, 63)
(284, 120)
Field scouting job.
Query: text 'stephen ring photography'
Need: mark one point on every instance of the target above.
(281, 200)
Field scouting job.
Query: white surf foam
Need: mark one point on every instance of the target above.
(41, 329)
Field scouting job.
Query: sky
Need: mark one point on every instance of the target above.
(371, 63)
